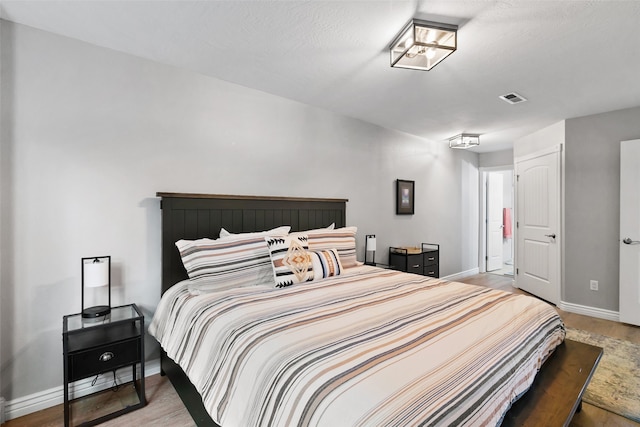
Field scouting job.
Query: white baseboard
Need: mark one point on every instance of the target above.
(462, 274)
(590, 311)
(55, 396)
(2, 412)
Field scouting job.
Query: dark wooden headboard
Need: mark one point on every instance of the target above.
(195, 216)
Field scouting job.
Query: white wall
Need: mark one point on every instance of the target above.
(591, 201)
(496, 159)
(544, 138)
(592, 205)
(89, 135)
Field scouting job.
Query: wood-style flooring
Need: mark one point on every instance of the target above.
(165, 408)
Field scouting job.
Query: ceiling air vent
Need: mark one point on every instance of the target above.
(513, 98)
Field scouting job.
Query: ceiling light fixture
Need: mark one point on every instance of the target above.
(464, 140)
(421, 45)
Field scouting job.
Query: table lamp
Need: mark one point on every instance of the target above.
(96, 272)
(370, 246)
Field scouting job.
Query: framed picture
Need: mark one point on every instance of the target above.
(405, 193)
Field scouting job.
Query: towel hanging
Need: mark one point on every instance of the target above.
(507, 230)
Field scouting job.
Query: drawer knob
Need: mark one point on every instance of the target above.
(416, 266)
(106, 356)
(430, 258)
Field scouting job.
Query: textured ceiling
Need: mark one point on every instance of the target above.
(568, 58)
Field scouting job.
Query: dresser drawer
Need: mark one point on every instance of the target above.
(83, 364)
(414, 263)
(398, 262)
(431, 258)
(432, 270)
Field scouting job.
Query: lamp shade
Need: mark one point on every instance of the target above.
(370, 249)
(421, 45)
(371, 243)
(96, 273)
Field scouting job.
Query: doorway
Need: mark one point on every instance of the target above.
(497, 244)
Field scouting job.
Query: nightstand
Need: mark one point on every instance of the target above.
(97, 346)
(423, 260)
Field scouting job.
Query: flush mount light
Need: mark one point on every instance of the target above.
(464, 140)
(423, 44)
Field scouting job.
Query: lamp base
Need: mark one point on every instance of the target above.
(96, 311)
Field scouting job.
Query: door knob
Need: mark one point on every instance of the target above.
(553, 236)
(628, 241)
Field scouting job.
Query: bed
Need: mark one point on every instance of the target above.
(366, 346)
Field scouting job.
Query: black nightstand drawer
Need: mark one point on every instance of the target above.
(414, 263)
(101, 359)
(432, 270)
(431, 258)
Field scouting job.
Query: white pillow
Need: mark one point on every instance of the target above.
(278, 231)
(316, 230)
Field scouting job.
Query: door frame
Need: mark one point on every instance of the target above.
(628, 281)
(482, 226)
(556, 148)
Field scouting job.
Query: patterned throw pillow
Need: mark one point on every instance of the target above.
(342, 239)
(235, 260)
(293, 263)
(326, 264)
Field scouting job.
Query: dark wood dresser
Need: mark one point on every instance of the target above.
(423, 260)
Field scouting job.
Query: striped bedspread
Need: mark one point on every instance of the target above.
(371, 347)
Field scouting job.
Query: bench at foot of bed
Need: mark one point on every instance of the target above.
(556, 393)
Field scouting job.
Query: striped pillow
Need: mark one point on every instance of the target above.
(293, 263)
(232, 261)
(342, 239)
(326, 264)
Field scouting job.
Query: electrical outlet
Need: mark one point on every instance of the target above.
(594, 285)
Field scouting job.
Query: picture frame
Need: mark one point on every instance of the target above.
(405, 197)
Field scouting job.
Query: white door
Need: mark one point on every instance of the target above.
(494, 221)
(630, 232)
(538, 225)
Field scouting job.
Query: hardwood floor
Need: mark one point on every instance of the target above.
(165, 408)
